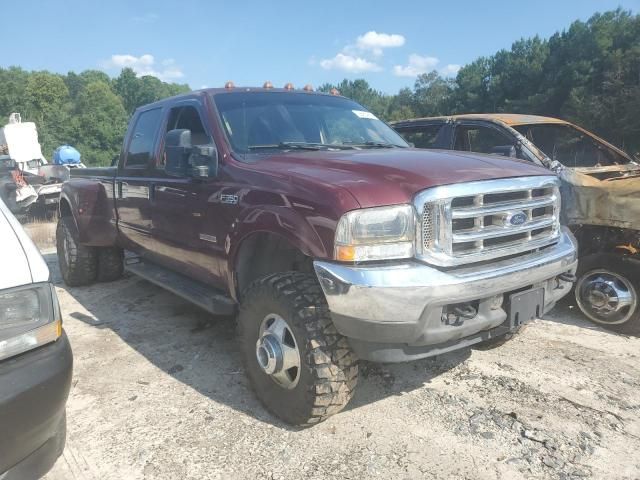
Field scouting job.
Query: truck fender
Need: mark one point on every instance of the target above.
(91, 206)
(311, 238)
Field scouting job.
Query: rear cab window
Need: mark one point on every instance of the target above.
(142, 142)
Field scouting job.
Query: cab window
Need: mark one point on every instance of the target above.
(422, 137)
(187, 117)
(143, 136)
(570, 146)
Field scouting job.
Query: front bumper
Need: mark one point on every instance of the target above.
(393, 312)
(34, 387)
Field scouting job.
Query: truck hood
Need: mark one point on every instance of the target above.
(595, 198)
(20, 259)
(392, 176)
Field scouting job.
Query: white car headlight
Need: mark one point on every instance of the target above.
(380, 233)
(29, 317)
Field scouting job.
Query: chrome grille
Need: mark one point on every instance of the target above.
(427, 226)
(478, 221)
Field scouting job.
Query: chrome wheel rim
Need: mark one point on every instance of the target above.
(606, 297)
(277, 351)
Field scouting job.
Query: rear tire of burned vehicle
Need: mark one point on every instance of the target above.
(110, 264)
(78, 263)
(607, 291)
(300, 367)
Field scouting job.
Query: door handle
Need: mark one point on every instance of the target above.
(171, 191)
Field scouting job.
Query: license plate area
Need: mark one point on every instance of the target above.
(525, 306)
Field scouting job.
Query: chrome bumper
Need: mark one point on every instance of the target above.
(400, 305)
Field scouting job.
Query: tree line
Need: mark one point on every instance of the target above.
(88, 110)
(588, 74)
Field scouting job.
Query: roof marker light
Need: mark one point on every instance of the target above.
(267, 84)
(334, 91)
(289, 86)
(229, 84)
(308, 88)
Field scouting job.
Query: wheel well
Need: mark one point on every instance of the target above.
(65, 208)
(265, 253)
(598, 238)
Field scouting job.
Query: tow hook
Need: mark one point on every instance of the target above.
(455, 315)
(567, 277)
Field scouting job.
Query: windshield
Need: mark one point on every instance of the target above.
(263, 121)
(570, 146)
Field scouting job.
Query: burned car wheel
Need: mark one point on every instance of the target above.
(607, 292)
(78, 263)
(300, 367)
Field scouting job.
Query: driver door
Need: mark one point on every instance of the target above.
(181, 226)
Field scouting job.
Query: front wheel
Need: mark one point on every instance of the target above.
(607, 292)
(300, 367)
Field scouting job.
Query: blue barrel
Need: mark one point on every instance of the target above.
(66, 155)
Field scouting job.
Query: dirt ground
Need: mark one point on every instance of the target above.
(159, 392)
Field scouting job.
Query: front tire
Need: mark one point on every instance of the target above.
(78, 263)
(300, 367)
(607, 291)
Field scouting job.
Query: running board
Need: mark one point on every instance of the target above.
(205, 297)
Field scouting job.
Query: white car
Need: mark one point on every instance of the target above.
(35, 358)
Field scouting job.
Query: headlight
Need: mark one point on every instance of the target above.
(29, 317)
(380, 233)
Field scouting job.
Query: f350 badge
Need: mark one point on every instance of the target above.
(229, 199)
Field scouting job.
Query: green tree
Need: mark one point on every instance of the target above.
(47, 103)
(433, 94)
(99, 123)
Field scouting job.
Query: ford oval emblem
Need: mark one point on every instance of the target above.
(517, 218)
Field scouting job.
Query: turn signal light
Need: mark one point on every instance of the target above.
(345, 253)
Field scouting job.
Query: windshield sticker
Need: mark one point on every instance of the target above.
(363, 114)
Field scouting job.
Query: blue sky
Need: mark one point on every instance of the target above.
(205, 43)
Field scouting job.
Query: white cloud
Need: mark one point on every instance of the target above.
(146, 18)
(145, 65)
(375, 41)
(417, 64)
(450, 70)
(349, 63)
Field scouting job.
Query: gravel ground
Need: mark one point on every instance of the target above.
(159, 392)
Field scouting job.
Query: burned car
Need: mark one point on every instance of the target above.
(600, 197)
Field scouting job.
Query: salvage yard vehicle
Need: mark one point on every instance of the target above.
(600, 197)
(332, 238)
(35, 359)
(36, 188)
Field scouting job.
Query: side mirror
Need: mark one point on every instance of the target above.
(505, 151)
(177, 148)
(204, 161)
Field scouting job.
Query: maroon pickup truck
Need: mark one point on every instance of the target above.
(332, 239)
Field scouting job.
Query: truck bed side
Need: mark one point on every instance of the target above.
(89, 198)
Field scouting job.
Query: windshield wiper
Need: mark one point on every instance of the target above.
(373, 145)
(300, 146)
